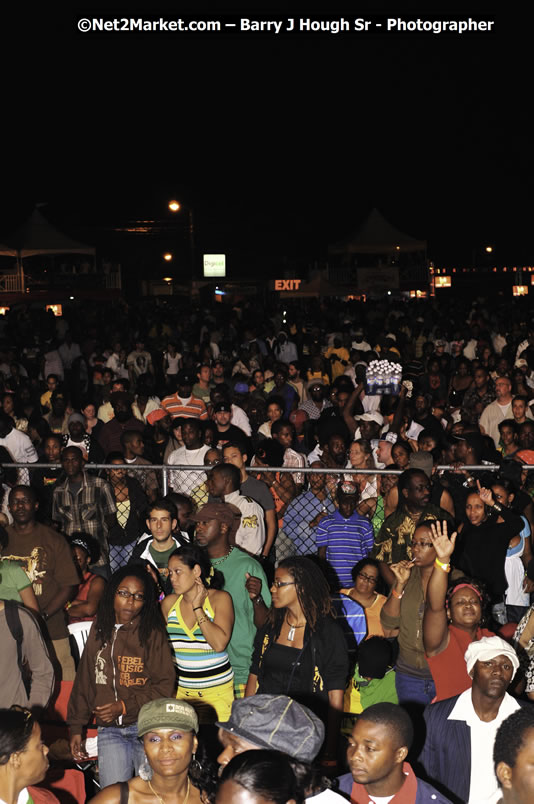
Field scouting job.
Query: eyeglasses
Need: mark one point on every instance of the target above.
(278, 584)
(126, 594)
(368, 578)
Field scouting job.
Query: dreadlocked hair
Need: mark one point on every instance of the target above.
(150, 618)
(312, 590)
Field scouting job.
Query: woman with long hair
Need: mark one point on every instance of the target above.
(23, 758)
(301, 650)
(126, 663)
(171, 770)
(454, 617)
(200, 618)
(131, 503)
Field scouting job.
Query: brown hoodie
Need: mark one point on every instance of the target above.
(121, 670)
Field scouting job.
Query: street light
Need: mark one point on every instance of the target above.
(175, 206)
(167, 257)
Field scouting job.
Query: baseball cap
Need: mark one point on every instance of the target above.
(372, 416)
(166, 713)
(222, 512)
(222, 406)
(422, 460)
(277, 722)
(155, 415)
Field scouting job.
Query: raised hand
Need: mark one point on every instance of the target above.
(485, 495)
(443, 546)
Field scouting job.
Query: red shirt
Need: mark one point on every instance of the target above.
(448, 667)
(406, 795)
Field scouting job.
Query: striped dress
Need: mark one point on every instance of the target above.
(199, 666)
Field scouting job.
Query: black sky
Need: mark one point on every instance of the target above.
(278, 144)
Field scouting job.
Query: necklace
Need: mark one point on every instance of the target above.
(159, 798)
(292, 629)
(217, 561)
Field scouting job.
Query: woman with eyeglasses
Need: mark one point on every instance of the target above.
(23, 759)
(402, 616)
(301, 650)
(126, 663)
(366, 577)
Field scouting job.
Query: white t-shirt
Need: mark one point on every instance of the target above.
(483, 786)
(251, 533)
(21, 449)
(183, 481)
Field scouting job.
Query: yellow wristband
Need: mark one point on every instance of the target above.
(442, 566)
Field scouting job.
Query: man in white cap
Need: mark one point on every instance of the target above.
(460, 731)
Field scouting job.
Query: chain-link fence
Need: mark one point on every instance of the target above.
(299, 512)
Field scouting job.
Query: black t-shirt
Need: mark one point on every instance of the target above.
(233, 434)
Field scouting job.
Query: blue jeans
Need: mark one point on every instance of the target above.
(120, 754)
(414, 690)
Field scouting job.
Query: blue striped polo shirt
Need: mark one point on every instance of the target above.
(346, 542)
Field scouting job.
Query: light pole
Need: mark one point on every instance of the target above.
(175, 206)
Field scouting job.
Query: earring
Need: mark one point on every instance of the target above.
(145, 771)
(195, 766)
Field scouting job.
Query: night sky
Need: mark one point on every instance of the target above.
(279, 145)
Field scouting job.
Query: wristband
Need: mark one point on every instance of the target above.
(196, 608)
(442, 566)
(497, 507)
(396, 594)
(257, 600)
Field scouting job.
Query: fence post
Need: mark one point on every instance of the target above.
(164, 483)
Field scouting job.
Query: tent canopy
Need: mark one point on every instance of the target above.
(38, 236)
(377, 236)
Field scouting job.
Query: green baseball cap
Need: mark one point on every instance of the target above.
(166, 713)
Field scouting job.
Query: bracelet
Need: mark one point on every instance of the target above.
(442, 566)
(396, 594)
(196, 608)
(257, 600)
(497, 507)
(123, 707)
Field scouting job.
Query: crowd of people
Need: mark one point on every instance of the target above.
(268, 554)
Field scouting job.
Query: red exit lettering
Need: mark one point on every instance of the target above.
(287, 284)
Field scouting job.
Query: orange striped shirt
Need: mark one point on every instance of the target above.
(194, 409)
